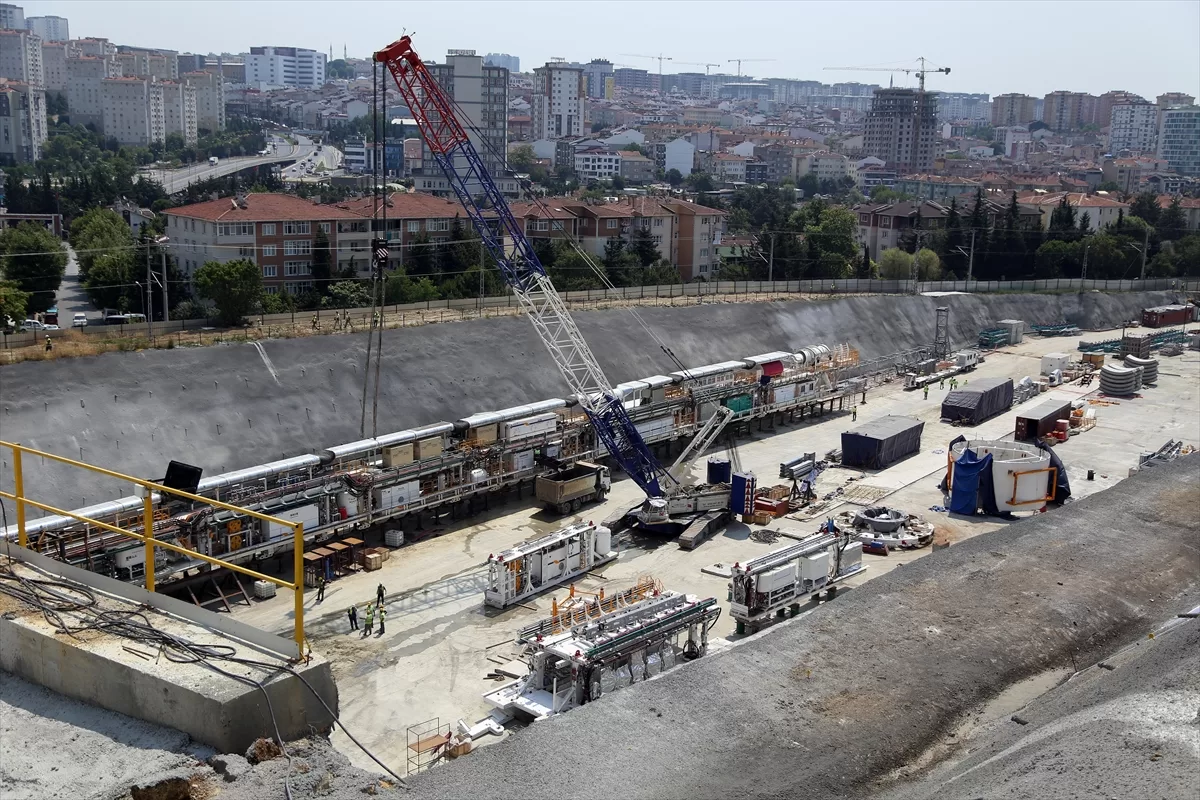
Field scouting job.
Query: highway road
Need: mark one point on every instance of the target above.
(306, 168)
(176, 180)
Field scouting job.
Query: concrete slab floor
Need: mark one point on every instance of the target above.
(441, 641)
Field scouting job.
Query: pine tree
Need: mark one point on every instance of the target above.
(953, 261)
(1172, 224)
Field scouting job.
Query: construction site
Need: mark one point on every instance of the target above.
(902, 546)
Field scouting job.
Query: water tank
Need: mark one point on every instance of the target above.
(1008, 459)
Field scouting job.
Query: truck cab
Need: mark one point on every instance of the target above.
(213, 161)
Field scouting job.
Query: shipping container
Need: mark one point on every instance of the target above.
(1053, 361)
(526, 428)
(882, 442)
(738, 403)
(1039, 421)
(1164, 316)
(309, 516)
(983, 399)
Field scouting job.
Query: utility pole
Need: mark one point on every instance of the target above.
(165, 302)
(1083, 269)
(1145, 250)
(149, 294)
(971, 261)
(482, 261)
(771, 261)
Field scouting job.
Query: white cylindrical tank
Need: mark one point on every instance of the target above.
(347, 504)
(1008, 459)
(602, 544)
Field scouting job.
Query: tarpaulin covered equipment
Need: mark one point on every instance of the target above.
(882, 442)
(984, 398)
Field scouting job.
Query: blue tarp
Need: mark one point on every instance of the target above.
(964, 491)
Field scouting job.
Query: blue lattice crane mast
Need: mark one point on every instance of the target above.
(447, 139)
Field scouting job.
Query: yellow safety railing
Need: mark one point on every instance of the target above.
(147, 537)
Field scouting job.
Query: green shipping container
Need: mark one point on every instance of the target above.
(738, 404)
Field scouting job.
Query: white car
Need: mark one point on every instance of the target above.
(35, 325)
(79, 320)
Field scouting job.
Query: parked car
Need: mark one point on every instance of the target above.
(34, 325)
(79, 320)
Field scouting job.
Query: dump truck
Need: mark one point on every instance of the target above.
(568, 489)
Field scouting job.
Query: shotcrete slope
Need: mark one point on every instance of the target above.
(229, 407)
(823, 706)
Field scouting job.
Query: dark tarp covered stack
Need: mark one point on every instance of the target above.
(972, 488)
(882, 442)
(984, 398)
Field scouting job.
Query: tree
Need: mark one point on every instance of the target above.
(642, 245)
(322, 262)
(929, 266)
(1109, 186)
(33, 259)
(1057, 259)
(1172, 224)
(13, 303)
(830, 237)
(98, 232)
(1062, 222)
(110, 281)
(1145, 205)
(620, 264)
(953, 260)
(700, 182)
(348, 294)
(809, 184)
(521, 157)
(338, 68)
(674, 177)
(597, 127)
(233, 286)
(895, 265)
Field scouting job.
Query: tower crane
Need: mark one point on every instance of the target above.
(919, 72)
(445, 136)
(660, 58)
(746, 60)
(698, 64)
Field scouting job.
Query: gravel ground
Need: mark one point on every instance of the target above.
(1129, 732)
(827, 704)
(228, 407)
(54, 747)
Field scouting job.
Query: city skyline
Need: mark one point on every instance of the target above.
(1147, 67)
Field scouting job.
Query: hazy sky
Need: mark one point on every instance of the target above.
(1146, 46)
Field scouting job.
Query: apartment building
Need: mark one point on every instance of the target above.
(938, 188)
(295, 67)
(1101, 211)
(481, 95)
(597, 73)
(22, 122)
(409, 218)
(901, 129)
(179, 110)
(597, 164)
(21, 57)
(510, 63)
(632, 80)
(210, 98)
(49, 29)
(884, 225)
(729, 167)
(635, 167)
(1106, 102)
(132, 110)
(1133, 126)
(1013, 109)
(1179, 139)
(678, 154)
(685, 233)
(1068, 111)
(559, 102)
(12, 17)
(98, 47)
(85, 87)
(54, 65)
(139, 62)
(1170, 99)
(825, 166)
(275, 231)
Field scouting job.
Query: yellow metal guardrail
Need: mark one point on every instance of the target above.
(147, 537)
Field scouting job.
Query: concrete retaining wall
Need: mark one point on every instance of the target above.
(222, 714)
(229, 407)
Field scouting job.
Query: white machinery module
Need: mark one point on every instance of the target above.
(570, 666)
(780, 580)
(546, 561)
